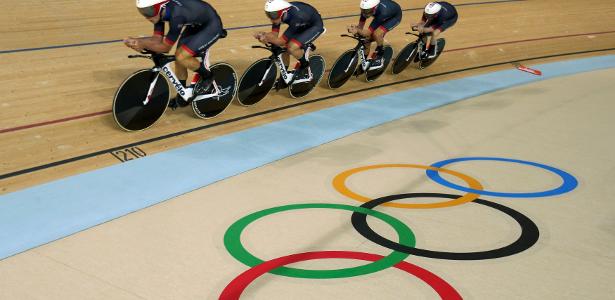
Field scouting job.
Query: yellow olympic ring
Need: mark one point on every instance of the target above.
(339, 183)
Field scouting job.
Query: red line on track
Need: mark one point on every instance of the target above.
(451, 50)
(54, 121)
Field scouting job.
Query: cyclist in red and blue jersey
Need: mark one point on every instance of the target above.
(387, 15)
(437, 18)
(201, 26)
(304, 26)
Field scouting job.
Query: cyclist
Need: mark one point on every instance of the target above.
(304, 26)
(202, 27)
(437, 18)
(387, 15)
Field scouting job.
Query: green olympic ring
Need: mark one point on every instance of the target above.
(232, 242)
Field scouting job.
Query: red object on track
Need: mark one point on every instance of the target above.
(529, 70)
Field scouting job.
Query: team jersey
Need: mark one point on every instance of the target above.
(384, 11)
(446, 16)
(181, 13)
(299, 17)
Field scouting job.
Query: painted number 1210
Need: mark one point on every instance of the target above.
(129, 154)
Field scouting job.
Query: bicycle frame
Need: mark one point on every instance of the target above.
(276, 56)
(420, 44)
(360, 49)
(162, 65)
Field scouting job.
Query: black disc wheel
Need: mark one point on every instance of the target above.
(404, 58)
(133, 109)
(317, 67)
(371, 75)
(428, 62)
(342, 69)
(226, 81)
(256, 82)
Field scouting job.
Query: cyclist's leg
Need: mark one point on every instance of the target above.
(368, 46)
(280, 83)
(184, 61)
(183, 55)
(379, 33)
(426, 42)
(431, 47)
(286, 59)
(376, 33)
(297, 47)
(198, 45)
(186, 50)
(180, 70)
(182, 74)
(433, 41)
(378, 37)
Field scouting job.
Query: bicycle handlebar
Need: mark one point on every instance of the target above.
(139, 56)
(149, 54)
(356, 37)
(159, 59)
(270, 47)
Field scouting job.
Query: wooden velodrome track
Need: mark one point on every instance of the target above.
(61, 62)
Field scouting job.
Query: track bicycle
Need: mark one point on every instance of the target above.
(415, 52)
(144, 96)
(355, 62)
(261, 77)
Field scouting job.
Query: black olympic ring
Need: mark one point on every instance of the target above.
(529, 231)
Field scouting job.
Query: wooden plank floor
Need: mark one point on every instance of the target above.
(63, 83)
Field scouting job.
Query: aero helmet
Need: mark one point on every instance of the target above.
(150, 8)
(432, 9)
(275, 8)
(367, 6)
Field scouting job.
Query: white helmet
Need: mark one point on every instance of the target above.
(369, 4)
(150, 8)
(274, 7)
(432, 8)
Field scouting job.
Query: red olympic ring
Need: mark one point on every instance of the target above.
(234, 289)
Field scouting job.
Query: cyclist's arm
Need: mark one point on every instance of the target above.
(366, 33)
(275, 28)
(154, 43)
(362, 20)
(282, 40)
(272, 38)
(430, 30)
(434, 36)
(420, 25)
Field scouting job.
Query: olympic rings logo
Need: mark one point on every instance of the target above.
(405, 245)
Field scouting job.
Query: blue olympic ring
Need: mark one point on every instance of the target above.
(569, 184)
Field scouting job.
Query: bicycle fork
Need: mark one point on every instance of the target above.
(152, 85)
